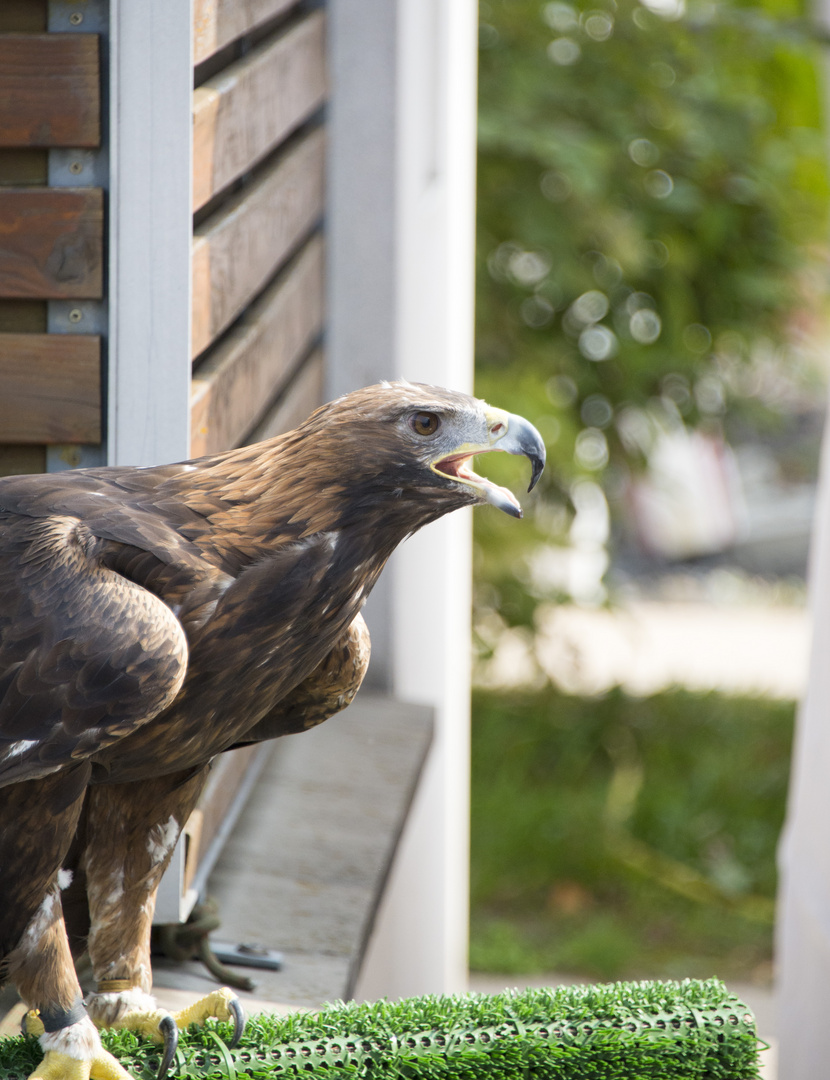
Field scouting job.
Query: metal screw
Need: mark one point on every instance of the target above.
(75, 167)
(76, 18)
(75, 315)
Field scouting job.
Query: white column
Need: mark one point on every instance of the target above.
(361, 230)
(803, 930)
(802, 938)
(420, 943)
(361, 195)
(150, 138)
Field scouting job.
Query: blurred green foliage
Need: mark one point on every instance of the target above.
(652, 216)
(652, 211)
(644, 202)
(626, 837)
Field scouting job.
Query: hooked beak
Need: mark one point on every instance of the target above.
(510, 433)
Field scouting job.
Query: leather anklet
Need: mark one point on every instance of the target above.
(54, 1018)
(114, 986)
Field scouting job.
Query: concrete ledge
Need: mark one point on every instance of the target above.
(304, 870)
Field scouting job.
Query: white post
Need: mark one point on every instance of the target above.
(150, 139)
(420, 940)
(361, 230)
(149, 135)
(802, 933)
(803, 930)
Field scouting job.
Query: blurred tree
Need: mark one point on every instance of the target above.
(652, 194)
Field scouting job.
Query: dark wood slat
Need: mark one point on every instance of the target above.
(50, 90)
(24, 316)
(16, 459)
(51, 388)
(30, 16)
(51, 243)
(23, 167)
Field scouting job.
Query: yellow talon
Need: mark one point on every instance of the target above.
(143, 1023)
(155, 1024)
(56, 1066)
(106, 1067)
(59, 1066)
(215, 1004)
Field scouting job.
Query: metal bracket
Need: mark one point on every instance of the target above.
(69, 167)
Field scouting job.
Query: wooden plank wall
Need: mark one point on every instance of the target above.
(258, 191)
(257, 248)
(241, 114)
(53, 238)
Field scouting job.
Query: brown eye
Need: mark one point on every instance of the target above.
(425, 423)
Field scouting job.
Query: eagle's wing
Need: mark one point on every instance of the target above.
(251, 651)
(86, 655)
(326, 691)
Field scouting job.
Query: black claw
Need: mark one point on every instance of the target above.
(168, 1028)
(235, 1006)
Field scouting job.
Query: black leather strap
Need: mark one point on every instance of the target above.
(55, 1019)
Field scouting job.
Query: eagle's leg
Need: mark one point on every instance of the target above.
(46, 980)
(132, 831)
(38, 819)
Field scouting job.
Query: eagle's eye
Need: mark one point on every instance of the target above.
(425, 423)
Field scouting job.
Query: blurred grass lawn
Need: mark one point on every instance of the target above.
(619, 837)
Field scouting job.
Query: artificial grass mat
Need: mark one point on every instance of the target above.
(631, 1031)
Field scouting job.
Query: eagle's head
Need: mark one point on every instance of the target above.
(412, 444)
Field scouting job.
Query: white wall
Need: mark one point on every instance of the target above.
(401, 304)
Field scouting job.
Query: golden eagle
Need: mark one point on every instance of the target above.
(151, 618)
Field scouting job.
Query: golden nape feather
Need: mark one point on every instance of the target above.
(151, 618)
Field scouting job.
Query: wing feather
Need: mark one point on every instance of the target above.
(86, 655)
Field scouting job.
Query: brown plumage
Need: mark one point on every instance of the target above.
(153, 618)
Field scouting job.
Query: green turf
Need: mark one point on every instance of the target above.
(626, 1031)
(619, 837)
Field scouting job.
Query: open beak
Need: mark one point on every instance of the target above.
(510, 433)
